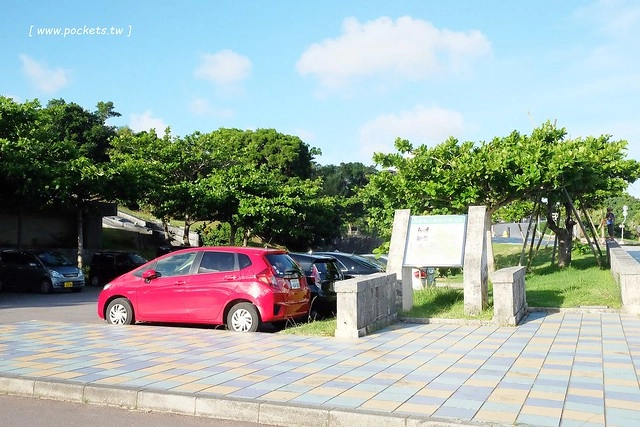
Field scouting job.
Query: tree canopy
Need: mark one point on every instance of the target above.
(266, 185)
(257, 182)
(54, 155)
(451, 176)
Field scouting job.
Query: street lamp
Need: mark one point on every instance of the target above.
(625, 208)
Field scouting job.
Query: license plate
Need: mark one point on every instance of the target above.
(68, 284)
(295, 283)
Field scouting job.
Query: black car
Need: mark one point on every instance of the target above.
(39, 270)
(107, 265)
(353, 265)
(322, 272)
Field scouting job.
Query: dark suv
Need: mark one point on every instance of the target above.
(107, 265)
(322, 272)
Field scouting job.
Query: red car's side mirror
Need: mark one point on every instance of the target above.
(150, 275)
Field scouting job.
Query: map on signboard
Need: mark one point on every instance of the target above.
(435, 241)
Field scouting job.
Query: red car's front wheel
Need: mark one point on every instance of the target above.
(120, 312)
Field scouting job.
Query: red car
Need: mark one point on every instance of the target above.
(239, 287)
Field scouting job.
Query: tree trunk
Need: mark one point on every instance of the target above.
(185, 234)
(80, 219)
(232, 234)
(246, 236)
(564, 234)
(565, 245)
(165, 228)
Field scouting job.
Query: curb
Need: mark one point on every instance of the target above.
(255, 411)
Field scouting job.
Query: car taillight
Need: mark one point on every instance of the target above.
(267, 277)
(316, 275)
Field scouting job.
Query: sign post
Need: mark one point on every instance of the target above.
(441, 241)
(424, 241)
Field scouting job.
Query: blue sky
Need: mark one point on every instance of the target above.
(347, 77)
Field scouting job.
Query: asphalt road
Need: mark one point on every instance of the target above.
(24, 411)
(65, 306)
(61, 306)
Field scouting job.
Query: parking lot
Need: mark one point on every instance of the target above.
(65, 307)
(61, 306)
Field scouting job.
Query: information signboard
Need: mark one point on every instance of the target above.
(435, 241)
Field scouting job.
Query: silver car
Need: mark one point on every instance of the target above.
(40, 270)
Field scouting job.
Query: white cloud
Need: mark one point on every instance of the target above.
(225, 69)
(202, 107)
(428, 126)
(407, 49)
(145, 122)
(44, 78)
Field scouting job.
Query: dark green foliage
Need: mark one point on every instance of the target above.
(56, 155)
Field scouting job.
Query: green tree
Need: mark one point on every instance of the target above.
(54, 156)
(343, 183)
(345, 179)
(19, 187)
(164, 173)
(137, 167)
(257, 182)
(451, 176)
(70, 122)
(261, 185)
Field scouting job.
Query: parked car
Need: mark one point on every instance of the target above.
(353, 265)
(421, 276)
(380, 259)
(40, 270)
(107, 265)
(239, 287)
(322, 272)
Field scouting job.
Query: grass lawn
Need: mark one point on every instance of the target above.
(582, 284)
(547, 285)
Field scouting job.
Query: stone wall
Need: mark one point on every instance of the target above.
(626, 272)
(366, 303)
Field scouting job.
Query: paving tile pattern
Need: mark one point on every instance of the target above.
(561, 369)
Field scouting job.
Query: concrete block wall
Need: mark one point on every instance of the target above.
(366, 303)
(626, 272)
(509, 296)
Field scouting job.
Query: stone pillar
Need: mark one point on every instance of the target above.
(475, 275)
(396, 256)
(509, 296)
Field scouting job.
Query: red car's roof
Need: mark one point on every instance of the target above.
(241, 249)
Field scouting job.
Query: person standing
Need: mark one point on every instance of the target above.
(610, 220)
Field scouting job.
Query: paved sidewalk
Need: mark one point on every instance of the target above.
(559, 369)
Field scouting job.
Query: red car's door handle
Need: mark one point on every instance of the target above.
(230, 277)
(181, 282)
